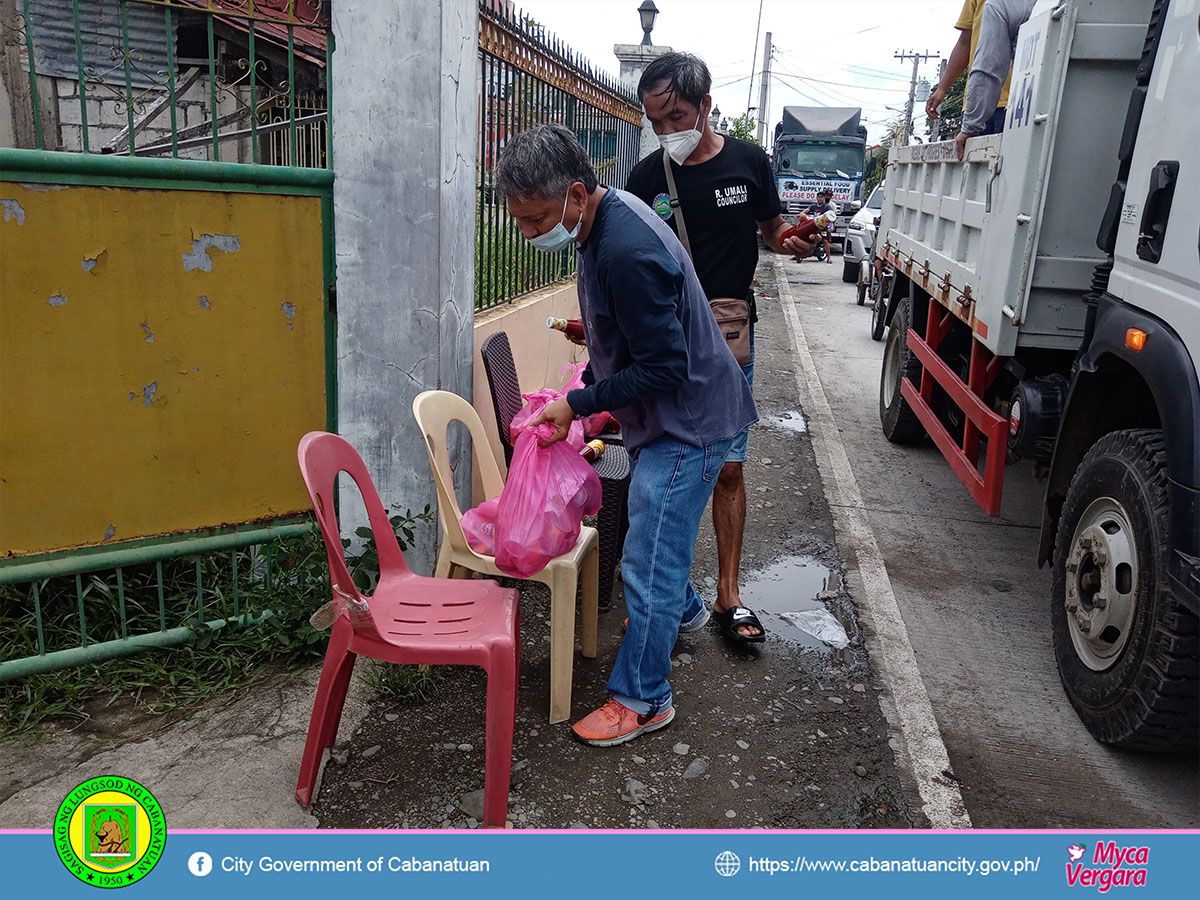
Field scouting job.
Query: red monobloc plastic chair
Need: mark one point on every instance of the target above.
(411, 619)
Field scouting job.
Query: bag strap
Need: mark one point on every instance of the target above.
(675, 207)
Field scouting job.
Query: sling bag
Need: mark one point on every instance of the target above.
(732, 314)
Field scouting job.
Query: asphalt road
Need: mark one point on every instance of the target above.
(971, 603)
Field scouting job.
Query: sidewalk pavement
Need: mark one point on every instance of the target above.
(230, 766)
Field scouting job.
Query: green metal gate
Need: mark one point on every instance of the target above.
(167, 324)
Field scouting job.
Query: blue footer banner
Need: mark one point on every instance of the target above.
(117, 846)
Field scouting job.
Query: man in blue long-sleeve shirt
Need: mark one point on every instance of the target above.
(659, 363)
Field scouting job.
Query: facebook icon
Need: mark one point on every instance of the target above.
(200, 864)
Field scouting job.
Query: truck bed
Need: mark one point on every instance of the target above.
(1006, 239)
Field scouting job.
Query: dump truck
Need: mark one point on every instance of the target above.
(1046, 306)
(818, 148)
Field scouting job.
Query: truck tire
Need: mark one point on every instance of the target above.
(1126, 649)
(850, 273)
(900, 423)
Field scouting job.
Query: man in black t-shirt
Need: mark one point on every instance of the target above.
(726, 196)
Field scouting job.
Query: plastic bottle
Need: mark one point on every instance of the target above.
(572, 328)
(592, 450)
(806, 229)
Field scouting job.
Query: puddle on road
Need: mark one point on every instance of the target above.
(790, 421)
(789, 585)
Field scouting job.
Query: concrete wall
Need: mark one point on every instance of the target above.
(634, 58)
(405, 114)
(539, 352)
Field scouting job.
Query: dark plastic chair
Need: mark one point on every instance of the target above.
(612, 467)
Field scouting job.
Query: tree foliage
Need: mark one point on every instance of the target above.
(743, 128)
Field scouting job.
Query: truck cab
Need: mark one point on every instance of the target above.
(818, 148)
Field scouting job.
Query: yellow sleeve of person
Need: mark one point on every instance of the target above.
(970, 19)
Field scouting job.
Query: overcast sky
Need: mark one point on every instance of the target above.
(827, 52)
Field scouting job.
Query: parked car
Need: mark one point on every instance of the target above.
(860, 235)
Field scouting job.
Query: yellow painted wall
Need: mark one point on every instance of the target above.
(539, 352)
(141, 394)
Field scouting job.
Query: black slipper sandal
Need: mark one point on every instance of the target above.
(735, 616)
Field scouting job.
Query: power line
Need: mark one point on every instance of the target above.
(858, 87)
(872, 73)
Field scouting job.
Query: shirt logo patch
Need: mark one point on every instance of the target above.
(662, 206)
(731, 195)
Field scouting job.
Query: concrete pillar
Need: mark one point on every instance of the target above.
(404, 146)
(634, 59)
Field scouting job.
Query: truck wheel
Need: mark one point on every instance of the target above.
(850, 273)
(900, 423)
(878, 309)
(862, 292)
(1126, 649)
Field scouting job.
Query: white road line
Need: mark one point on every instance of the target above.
(891, 651)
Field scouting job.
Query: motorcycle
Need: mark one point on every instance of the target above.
(875, 279)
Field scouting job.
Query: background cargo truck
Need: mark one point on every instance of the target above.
(1046, 305)
(817, 148)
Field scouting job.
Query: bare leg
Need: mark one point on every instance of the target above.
(729, 521)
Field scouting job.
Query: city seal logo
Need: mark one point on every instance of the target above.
(110, 832)
(662, 206)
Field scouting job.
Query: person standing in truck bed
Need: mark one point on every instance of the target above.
(1002, 19)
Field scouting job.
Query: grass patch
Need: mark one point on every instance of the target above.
(288, 578)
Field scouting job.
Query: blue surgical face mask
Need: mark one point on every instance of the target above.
(557, 238)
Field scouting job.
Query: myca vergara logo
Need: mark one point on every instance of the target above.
(110, 832)
(1110, 866)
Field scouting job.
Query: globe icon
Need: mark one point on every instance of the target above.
(727, 863)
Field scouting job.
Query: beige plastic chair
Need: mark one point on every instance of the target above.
(434, 411)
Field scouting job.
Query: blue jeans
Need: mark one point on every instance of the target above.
(995, 124)
(741, 440)
(670, 487)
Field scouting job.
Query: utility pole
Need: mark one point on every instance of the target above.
(937, 123)
(754, 59)
(762, 91)
(917, 58)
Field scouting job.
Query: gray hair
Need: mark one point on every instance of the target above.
(543, 162)
(685, 74)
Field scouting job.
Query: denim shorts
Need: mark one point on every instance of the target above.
(737, 450)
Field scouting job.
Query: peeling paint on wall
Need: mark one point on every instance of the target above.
(45, 187)
(58, 300)
(148, 392)
(201, 259)
(132, 395)
(204, 302)
(91, 262)
(289, 310)
(13, 210)
(110, 531)
(149, 333)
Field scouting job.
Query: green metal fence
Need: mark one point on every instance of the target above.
(165, 82)
(529, 78)
(224, 80)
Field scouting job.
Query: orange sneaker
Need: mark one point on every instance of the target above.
(615, 723)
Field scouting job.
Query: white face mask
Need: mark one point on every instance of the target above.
(680, 145)
(557, 238)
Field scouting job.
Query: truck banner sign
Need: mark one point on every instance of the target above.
(805, 189)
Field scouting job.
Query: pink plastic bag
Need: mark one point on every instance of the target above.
(479, 527)
(549, 491)
(596, 424)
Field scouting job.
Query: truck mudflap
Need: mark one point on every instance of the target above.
(980, 422)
